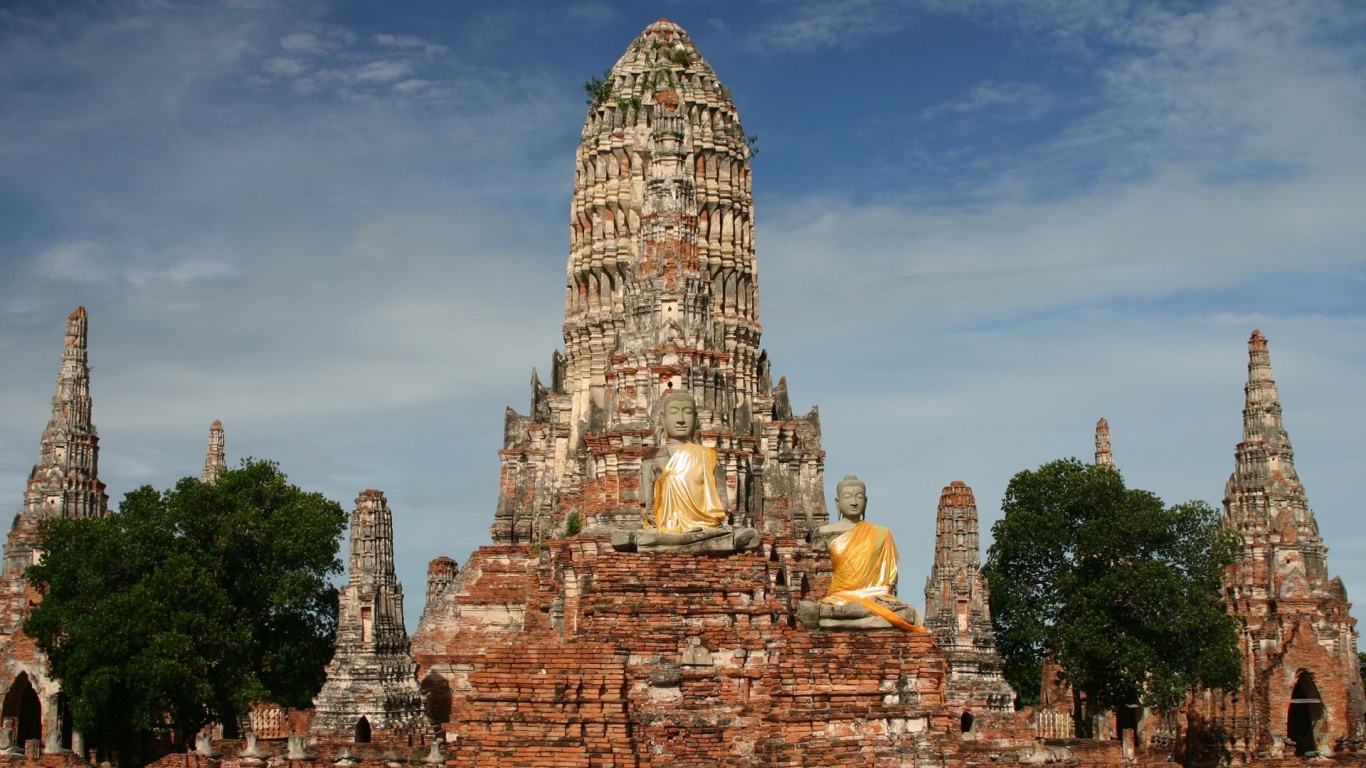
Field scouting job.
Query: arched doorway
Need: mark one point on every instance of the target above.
(965, 722)
(1306, 710)
(21, 703)
(363, 731)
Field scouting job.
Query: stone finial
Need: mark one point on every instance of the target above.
(957, 494)
(252, 751)
(434, 756)
(215, 460)
(440, 573)
(1103, 455)
(203, 745)
(296, 749)
(1266, 444)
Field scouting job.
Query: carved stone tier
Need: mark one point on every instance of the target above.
(576, 654)
(850, 617)
(661, 293)
(726, 540)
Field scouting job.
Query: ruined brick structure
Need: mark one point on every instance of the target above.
(547, 649)
(215, 460)
(662, 293)
(371, 692)
(1103, 455)
(64, 483)
(1302, 691)
(958, 615)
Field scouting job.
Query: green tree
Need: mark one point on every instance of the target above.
(186, 606)
(1121, 590)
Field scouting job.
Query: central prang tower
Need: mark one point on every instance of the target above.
(662, 293)
(554, 647)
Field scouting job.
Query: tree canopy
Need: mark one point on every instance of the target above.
(1122, 591)
(187, 605)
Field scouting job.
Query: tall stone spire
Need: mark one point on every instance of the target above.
(1103, 455)
(215, 460)
(958, 612)
(1264, 498)
(65, 481)
(662, 293)
(371, 690)
(1299, 638)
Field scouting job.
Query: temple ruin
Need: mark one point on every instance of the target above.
(1302, 691)
(958, 614)
(556, 646)
(371, 691)
(64, 483)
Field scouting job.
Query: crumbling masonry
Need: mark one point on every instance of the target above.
(64, 483)
(1302, 691)
(371, 692)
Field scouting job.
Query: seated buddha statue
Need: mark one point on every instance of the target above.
(864, 561)
(683, 507)
(687, 497)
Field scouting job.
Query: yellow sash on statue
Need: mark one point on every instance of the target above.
(865, 559)
(686, 498)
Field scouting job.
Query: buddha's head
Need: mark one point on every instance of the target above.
(851, 498)
(678, 415)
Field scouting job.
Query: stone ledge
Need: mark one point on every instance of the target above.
(713, 541)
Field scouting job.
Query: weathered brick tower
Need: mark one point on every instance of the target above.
(64, 483)
(662, 293)
(371, 692)
(215, 459)
(958, 614)
(1302, 691)
(548, 649)
(1104, 457)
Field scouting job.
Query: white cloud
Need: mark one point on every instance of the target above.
(828, 24)
(1019, 101)
(306, 44)
(409, 42)
(281, 67)
(383, 71)
(73, 260)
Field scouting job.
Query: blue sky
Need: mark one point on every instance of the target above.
(342, 227)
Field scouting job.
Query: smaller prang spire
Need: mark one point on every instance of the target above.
(957, 608)
(371, 685)
(65, 481)
(1266, 444)
(1103, 456)
(215, 460)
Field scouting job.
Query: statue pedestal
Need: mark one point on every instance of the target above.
(724, 540)
(850, 617)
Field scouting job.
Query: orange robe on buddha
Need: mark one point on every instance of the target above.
(686, 497)
(865, 560)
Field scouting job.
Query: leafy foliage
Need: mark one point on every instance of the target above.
(187, 605)
(1122, 591)
(573, 524)
(598, 89)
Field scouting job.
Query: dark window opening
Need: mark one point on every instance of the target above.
(363, 731)
(1302, 720)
